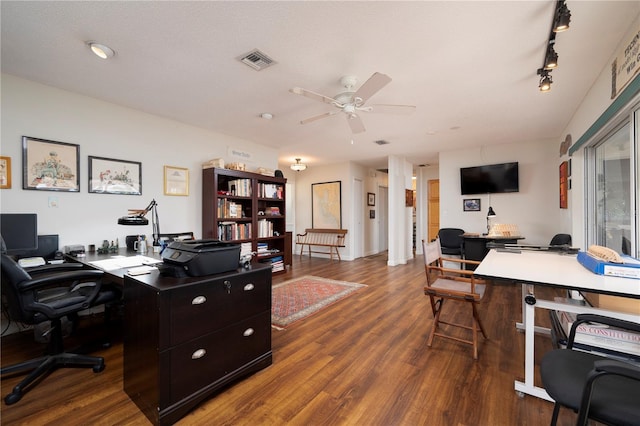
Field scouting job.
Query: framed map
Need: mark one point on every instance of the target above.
(326, 202)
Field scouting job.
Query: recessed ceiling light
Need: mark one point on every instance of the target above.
(100, 50)
(266, 115)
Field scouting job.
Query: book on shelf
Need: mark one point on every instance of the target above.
(601, 336)
(228, 231)
(270, 190)
(240, 187)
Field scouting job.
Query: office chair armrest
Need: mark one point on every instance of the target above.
(59, 267)
(603, 368)
(600, 319)
(71, 278)
(619, 368)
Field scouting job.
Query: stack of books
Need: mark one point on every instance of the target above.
(263, 249)
(609, 341)
(277, 264)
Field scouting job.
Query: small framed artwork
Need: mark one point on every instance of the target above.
(176, 181)
(5, 172)
(110, 176)
(50, 165)
(372, 214)
(371, 199)
(408, 198)
(471, 204)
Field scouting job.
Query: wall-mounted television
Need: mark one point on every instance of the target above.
(492, 178)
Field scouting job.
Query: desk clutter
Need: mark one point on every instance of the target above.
(605, 261)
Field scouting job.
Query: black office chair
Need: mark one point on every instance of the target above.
(451, 241)
(50, 296)
(598, 388)
(560, 240)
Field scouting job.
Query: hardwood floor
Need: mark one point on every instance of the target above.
(361, 361)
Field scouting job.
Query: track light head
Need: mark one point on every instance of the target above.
(545, 80)
(562, 19)
(551, 58)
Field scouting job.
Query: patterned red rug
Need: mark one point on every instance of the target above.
(296, 299)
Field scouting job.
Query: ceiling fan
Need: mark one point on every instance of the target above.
(351, 101)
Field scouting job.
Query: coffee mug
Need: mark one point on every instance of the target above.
(140, 245)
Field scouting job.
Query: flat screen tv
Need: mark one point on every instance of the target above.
(492, 178)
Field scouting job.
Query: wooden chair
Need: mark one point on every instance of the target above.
(453, 284)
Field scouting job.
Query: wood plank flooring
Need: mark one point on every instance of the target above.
(361, 361)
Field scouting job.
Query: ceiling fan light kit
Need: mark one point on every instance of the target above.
(349, 101)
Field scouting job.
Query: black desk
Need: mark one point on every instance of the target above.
(187, 338)
(475, 246)
(115, 276)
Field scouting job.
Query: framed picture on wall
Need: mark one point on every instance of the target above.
(326, 205)
(110, 176)
(471, 204)
(371, 199)
(176, 181)
(5, 172)
(50, 165)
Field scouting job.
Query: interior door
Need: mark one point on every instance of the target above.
(433, 209)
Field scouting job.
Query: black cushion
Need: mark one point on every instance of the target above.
(615, 399)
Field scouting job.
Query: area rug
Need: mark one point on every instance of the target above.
(298, 298)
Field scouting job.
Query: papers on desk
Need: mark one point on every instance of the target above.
(121, 262)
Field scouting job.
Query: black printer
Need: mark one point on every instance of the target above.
(202, 257)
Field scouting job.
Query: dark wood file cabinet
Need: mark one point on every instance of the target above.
(185, 338)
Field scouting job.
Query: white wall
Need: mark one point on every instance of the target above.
(535, 209)
(108, 130)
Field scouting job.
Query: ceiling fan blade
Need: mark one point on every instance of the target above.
(318, 117)
(312, 95)
(355, 122)
(392, 109)
(370, 87)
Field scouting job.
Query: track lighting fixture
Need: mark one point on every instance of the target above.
(562, 17)
(545, 80)
(551, 58)
(560, 22)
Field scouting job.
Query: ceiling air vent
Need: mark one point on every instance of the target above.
(381, 142)
(257, 60)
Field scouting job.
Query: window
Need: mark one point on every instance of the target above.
(613, 177)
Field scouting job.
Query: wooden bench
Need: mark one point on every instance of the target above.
(332, 238)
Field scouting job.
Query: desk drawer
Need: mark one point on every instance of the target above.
(199, 363)
(213, 305)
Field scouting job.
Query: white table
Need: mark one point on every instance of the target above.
(533, 268)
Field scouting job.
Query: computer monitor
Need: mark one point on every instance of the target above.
(19, 233)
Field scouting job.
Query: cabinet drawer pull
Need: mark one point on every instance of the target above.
(198, 354)
(248, 332)
(249, 287)
(198, 300)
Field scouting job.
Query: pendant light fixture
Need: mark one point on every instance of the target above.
(298, 166)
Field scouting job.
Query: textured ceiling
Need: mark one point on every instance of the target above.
(468, 66)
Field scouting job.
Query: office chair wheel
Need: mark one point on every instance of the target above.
(98, 368)
(12, 398)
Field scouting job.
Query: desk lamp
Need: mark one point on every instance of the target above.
(140, 219)
(491, 213)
